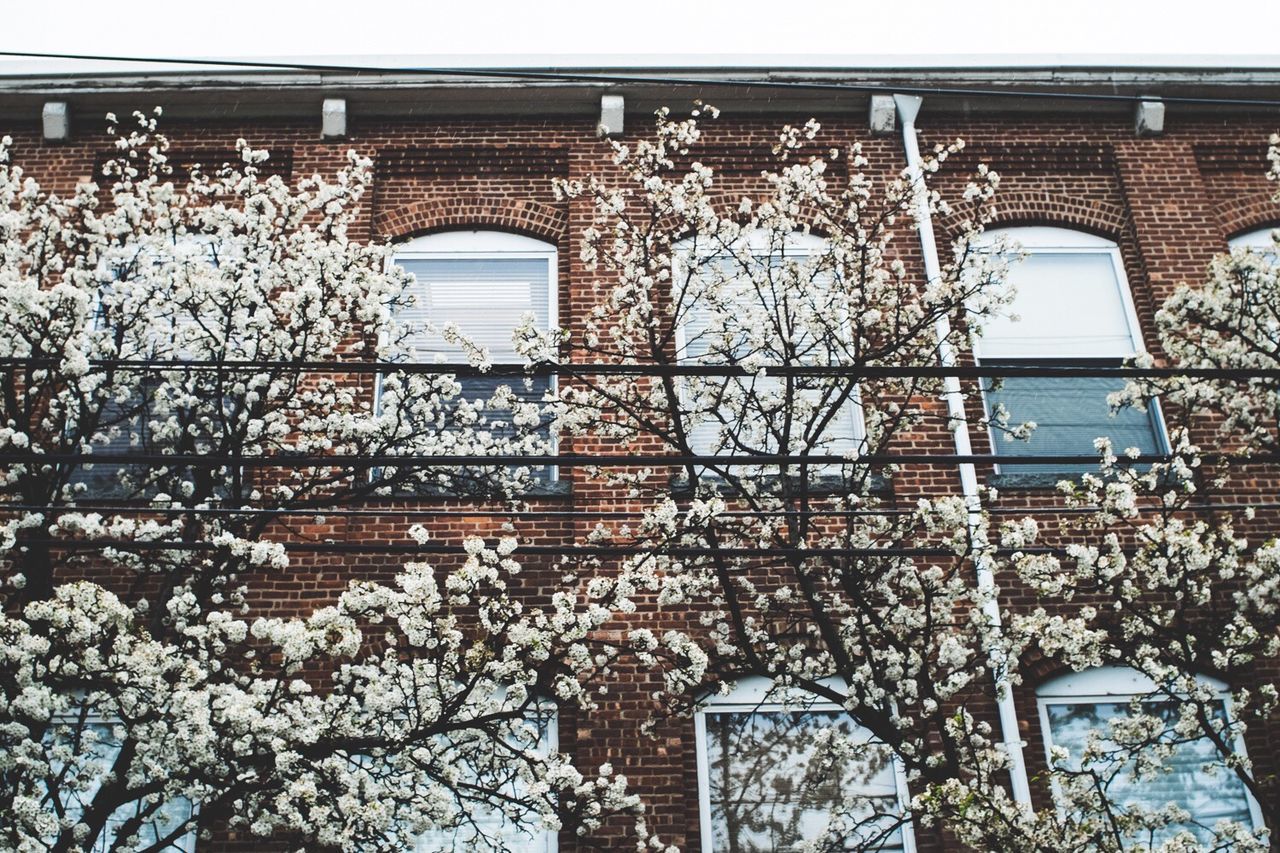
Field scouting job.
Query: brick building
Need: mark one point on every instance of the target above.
(1130, 190)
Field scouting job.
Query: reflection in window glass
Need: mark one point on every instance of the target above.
(778, 779)
(752, 414)
(1196, 781)
(491, 824)
(99, 744)
(1069, 413)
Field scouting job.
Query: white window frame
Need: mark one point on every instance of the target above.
(799, 245)
(1119, 685)
(1043, 238)
(481, 243)
(759, 695)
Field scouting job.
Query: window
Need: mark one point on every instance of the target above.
(96, 742)
(729, 312)
(1073, 706)
(1074, 308)
(488, 770)
(148, 323)
(484, 282)
(774, 775)
(1261, 241)
(493, 824)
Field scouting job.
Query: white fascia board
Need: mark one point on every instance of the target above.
(196, 91)
(668, 62)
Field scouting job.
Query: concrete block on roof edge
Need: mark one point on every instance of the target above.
(1148, 118)
(55, 120)
(333, 118)
(882, 115)
(612, 108)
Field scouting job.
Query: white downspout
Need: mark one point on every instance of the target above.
(908, 107)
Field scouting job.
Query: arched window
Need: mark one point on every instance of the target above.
(775, 771)
(1072, 307)
(484, 282)
(1260, 240)
(1074, 706)
(759, 304)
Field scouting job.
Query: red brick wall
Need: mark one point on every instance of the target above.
(1170, 202)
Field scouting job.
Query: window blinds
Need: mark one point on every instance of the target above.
(1070, 308)
(711, 334)
(1068, 304)
(486, 297)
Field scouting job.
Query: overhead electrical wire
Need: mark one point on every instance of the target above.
(516, 370)
(108, 508)
(883, 551)
(586, 460)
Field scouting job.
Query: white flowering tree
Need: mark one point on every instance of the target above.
(175, 429)
(771, 342)
(168, 399)
(1178, 576)
(779, 330)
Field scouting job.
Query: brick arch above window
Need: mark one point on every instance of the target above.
(521, 216)
(1039, 207)
(1247, 213)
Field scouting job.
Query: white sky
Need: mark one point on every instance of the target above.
(843, 31)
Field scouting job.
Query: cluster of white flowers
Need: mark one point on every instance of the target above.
(163, 325)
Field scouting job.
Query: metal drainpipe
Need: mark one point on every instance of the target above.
(908, 107)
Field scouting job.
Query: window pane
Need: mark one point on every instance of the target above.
(1262, 241)
(757, 414)
(172, 331)
(781, 778)
(126, 429)
(1207, 796)
(1069, 413)
(492, 823)
(486, 298)
(1068, 304)
(119, 426)
(98, 750)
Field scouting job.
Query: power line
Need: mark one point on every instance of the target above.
(580, 460)
(656, 550)
(516, 370)
(108, 508)
(621, 79)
